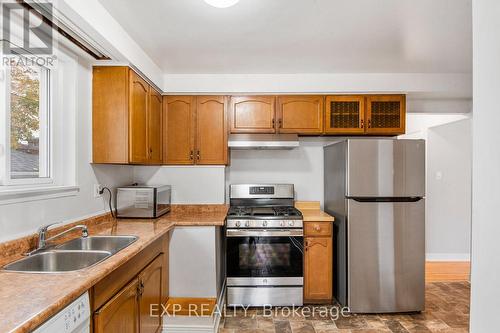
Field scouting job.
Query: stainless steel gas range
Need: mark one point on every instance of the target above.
(264, 246)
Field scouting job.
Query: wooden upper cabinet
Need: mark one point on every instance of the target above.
(155, 127)
(345, 115)
(300, 114)
(138, 123)
(211, 130)
(252, 114)
(150, 289)
(121, 313)
(126, 118)
(179, 129)
(386, 114)
(110, 115)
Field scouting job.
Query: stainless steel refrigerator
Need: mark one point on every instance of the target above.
(375, 189)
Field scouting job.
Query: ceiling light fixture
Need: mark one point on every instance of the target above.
(222, 3)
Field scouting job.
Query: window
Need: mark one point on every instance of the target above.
(38, 105)
(38, 121)
(28, 129)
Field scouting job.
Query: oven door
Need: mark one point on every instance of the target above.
(264, 257)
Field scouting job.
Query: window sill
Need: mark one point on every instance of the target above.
(34, 193)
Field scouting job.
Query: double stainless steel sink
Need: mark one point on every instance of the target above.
(73, 255)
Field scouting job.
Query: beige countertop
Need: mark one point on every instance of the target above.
(29, 299)
(311, 212)
(316, 215)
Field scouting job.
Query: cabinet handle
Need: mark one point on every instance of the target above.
(191, 156)
(317, 228)
(140, 288)
(280, 123)
(369, 123)
(198, 155)
(362, 123)
(273, 122)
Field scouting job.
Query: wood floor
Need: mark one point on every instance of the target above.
(447, 311)
(447, 271)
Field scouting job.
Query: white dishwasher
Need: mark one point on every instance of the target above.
(75, 318)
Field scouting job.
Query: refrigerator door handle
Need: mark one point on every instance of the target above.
(386, 199)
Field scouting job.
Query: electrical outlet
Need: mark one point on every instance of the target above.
(97, 190)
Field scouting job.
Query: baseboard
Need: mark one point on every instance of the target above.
(194, 324)
(446, 271)
(447, 256)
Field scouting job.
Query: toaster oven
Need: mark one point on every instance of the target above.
(143, 201)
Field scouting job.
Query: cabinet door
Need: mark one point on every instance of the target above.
(211, 130)
(252, 114)
(386, 114)
(300, 114)
(345, 115)
(155, 127)
(110, 114)
(119, 314)
(318, 269)
(138, 122)
(179, 129)
(150, 288)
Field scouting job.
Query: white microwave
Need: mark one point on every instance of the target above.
(143, 201)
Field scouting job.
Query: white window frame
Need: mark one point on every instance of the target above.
(46, 146)
(62, 139)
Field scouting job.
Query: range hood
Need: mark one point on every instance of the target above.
(263, 141)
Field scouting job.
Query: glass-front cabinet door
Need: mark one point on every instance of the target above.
(345, 114)
(385, 114)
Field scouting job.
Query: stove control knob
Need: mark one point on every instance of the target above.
(247, 223)
(282, 223)
(291, 223)
(264, 224)
(238, 223)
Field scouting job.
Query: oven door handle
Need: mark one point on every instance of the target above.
(264, 233)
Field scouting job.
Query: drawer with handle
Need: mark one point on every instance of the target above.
(317, 228)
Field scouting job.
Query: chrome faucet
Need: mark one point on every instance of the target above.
(42, 235)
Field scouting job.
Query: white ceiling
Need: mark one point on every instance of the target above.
(301, 36)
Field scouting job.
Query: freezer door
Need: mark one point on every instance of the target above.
(386, 256)
(385, 168)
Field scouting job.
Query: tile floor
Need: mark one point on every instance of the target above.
(447, 311)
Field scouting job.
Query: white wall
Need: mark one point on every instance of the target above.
(20, 219)
(417, 124)
(95, 21)
(420, 84)
(193, 262)
(448, 193)
(190, 185)
(485, 291)
(302, 167)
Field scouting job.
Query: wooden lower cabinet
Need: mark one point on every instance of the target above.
(318, 262)
(121, 313)
(129, 310)
(150, 290)
(123, 300)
